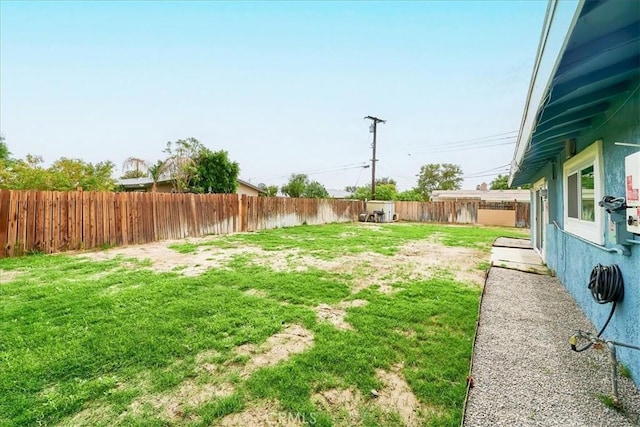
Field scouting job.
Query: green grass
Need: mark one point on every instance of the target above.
(77, 334)
(610, 403)
(624, 371)
(331, 241)
(184, 248)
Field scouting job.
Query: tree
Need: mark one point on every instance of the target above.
(27, 174)
(214, 172)
(299, 185)
(315, 190)
(134, 167)
(70, 174)
(181, 164)
(271, 190)
(445, 176)
(362, 193)
(63, 175)
(386, 180)
(156, 170)
(350, 188)
(383, 192)
(501, 182)
(5, 155)
(410, 196)
(296, 185)
(386, 192)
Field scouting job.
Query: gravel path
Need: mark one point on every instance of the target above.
(524, 371)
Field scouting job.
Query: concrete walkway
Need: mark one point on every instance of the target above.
(516, 254)
(524, 371)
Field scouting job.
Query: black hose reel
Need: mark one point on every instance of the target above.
(606, 286)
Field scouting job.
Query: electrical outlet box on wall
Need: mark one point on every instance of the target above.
(632, 176)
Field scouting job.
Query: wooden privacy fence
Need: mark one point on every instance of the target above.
(514, 214)
(52, 221)
(260, 213)
(456, 212)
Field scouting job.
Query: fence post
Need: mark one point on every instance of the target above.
(242, 213)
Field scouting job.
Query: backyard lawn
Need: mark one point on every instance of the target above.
(341, 324)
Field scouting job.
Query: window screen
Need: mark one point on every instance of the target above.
(587, 192)
(572, 196)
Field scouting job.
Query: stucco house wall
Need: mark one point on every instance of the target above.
(584, 97)
(573, 259)
(248, 190)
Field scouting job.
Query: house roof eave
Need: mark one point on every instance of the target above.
(559, 23)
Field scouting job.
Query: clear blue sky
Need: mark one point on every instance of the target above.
(282, 86)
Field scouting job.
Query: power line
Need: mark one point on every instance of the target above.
(511, 134)
(483, 176)
(392, 175)
(474, 147)
(490, 170)
(315, 171)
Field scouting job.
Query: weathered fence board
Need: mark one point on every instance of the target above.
(523, 215)
(51, 221)
(261, 213)
(459, 211)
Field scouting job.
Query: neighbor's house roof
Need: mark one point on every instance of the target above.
(246, 184)
(131, 183)
(575, 81)
(138, 182)
(487, 196)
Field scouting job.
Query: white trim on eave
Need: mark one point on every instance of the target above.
(559, 23)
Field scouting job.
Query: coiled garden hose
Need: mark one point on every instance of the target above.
(606, 285)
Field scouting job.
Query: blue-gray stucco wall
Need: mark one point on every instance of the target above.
(572, 259)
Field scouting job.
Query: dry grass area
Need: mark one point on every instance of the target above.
(7, 276)
(342, 325)
(415, 260)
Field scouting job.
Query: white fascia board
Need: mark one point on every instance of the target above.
(561, 19)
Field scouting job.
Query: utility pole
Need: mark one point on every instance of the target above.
(373, 129)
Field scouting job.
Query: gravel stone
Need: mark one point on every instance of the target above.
(524, 371)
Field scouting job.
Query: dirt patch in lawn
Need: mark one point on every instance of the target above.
(409, 333)
(211, 380)
(418, 260)
(8, 276)
(189, 394)
(398, 397)
(165, 259)
(92, 415)
(266, 413)
(204, 361)
(292, 340)
(343, 404)
(424, 257)
(335, 314)
(395, 397)
(256, 293)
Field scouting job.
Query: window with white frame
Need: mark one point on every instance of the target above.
(583, 188)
